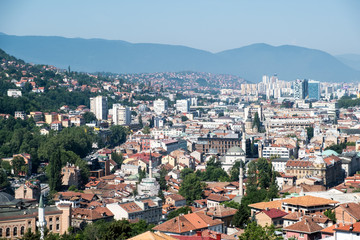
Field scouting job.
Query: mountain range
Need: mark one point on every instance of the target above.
(249, 62)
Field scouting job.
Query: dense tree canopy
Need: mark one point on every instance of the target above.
(191, 188)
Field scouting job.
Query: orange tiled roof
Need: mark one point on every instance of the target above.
(308, 201)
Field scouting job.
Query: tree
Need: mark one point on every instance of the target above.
(255, 231)
(184, 118)
(18, 164)
(331, 214)
(142, 174)
(4, 181)
(54, 173)
(118, 135)
(177, 212)
(140, 120)
(89, 117)
(118, 158)
(191, 188)
(310, 133)
(146, 130)
(162, 180)
(256, 122)
(185, 172)
(241, 217)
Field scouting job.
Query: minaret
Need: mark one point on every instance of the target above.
(150, 167)
(243, 141)
(241, 176)
(41, 218)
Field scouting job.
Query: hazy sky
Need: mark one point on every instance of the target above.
(332, 26)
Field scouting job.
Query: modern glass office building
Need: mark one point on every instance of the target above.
(314, 90)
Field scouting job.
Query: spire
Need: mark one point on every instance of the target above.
(41, 202)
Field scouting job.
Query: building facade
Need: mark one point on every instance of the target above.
(98, 106)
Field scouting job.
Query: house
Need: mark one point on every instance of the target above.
(175, 200)
(81, 216)
(215, 200)
(152, 236)
(189, 224)
(29, 190)
(76, 199)
(348, 232)
(319, 218)
(148, 209)
(307, 204)
(270, 217)
(222, 213)
(257, 207)
(347, 213)
(305, 229)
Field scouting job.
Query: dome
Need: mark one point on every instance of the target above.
(329, 152)
(235, 150)
(7, 199)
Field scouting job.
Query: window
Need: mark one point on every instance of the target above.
(22, 230)
(301, 235)
(0, 232)
(50, 219)
(8, 232)
(57, 218)
(29, 222)
(15, 231)
(57, 227)
(50, 227)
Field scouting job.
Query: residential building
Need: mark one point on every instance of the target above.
(189, 224)
(270, 217)
(20, 114)
(329, 169)
(347, 213)
(160, 106)
(121, 114)
(305, 229)
(301, 89)
(98, 106)
(348, 232)
(175, 200)
(28, 190)
(183, 105)
(278, 151)
(148, 209)
(80, 217)
(14, 93)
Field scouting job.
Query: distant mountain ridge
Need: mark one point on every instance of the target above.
(249, 62)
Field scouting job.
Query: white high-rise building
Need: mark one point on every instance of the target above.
(98, 106)
(121, 114)
(183, 105)
(160, 106)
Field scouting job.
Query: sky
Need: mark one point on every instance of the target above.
(212, 25)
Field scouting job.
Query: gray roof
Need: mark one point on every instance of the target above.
(8, 200)
(235, 149)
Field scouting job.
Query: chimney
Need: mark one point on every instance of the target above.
(351, 227)
(198, 233)
(218, 236)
